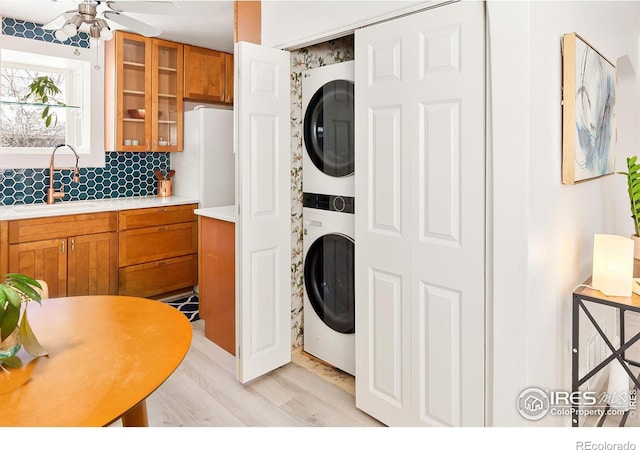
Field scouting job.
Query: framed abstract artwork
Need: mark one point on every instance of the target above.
(588, 111)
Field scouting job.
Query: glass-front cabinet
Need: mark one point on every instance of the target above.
(144, 82)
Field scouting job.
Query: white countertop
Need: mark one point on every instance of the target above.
(226, 213)
(36, 210)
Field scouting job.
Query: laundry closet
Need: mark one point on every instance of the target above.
(396, 228)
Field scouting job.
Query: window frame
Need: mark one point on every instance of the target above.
(94, 103)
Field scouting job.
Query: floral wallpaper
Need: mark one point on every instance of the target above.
(331, 52)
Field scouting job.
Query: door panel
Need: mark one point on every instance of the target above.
(387, 337)
(263, 226)
(93, 264)
(42, 260)
(421, 221)
(383, 339)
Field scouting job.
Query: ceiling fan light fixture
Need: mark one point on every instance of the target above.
(86, 18)
(71, 26)
(61, 35)
(94, 31)
(105, 32)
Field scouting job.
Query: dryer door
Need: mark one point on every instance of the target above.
(328, 279)
(328, 128)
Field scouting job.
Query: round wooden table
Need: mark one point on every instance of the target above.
(107, 354)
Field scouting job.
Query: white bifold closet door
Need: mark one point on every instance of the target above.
(263, 196)
(420, 218)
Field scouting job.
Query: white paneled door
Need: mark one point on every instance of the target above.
(263, 227)
(420, 218)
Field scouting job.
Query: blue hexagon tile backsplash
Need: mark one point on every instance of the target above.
(125, 174)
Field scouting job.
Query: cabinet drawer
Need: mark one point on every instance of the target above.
(59, 227)
(152, 244)
(150, 217)
(145, 280)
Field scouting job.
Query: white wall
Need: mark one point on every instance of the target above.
(533, 285)
(293, 24)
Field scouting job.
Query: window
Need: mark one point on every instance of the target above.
(25, 140)
(22, 127)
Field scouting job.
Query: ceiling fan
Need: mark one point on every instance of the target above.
(93, 16)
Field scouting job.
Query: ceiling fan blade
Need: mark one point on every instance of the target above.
(59, 21)
(132, 24)
(144, 7)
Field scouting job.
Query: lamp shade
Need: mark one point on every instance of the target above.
(612, 265)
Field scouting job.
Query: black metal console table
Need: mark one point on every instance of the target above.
(582, 297)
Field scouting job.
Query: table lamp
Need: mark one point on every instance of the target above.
(612, 265)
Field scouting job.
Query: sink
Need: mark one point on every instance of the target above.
(65, 206)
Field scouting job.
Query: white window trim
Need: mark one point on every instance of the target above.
(96, 157)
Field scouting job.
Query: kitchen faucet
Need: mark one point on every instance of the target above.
(52, 195)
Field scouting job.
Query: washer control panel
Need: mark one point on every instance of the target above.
(328, 202)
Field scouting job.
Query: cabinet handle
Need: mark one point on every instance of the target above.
(148, 145)
(162, 263)
(155, 145)
(163, 229)
(63, 247)
(73, 245)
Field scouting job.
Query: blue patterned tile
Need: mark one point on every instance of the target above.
(124, 175)
(30, 30)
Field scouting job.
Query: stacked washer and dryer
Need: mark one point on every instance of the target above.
(328, 214)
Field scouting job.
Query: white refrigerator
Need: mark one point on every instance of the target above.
(205, 169)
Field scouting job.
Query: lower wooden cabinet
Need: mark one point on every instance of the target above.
(74, 254)
(44, 260)
(154, 253)
(217, 282)
(92, 264)
(157, 250)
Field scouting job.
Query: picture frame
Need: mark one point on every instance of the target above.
(588, 111)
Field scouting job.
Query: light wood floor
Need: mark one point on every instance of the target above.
(203, 392)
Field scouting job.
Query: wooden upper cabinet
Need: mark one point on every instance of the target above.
(206, 75)
(143, 103)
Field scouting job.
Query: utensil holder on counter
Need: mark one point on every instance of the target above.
(164, 188)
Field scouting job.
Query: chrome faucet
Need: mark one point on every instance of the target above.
(52, 195)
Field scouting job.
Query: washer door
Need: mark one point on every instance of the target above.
(329, 281)
(328, 128)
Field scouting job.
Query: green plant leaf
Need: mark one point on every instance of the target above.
(29, 340)
(25, 279)
(633, 188)
(47, 122)
(3, 301)
(24, 289)
(9, 321)
(13, 361)
(12, 295)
